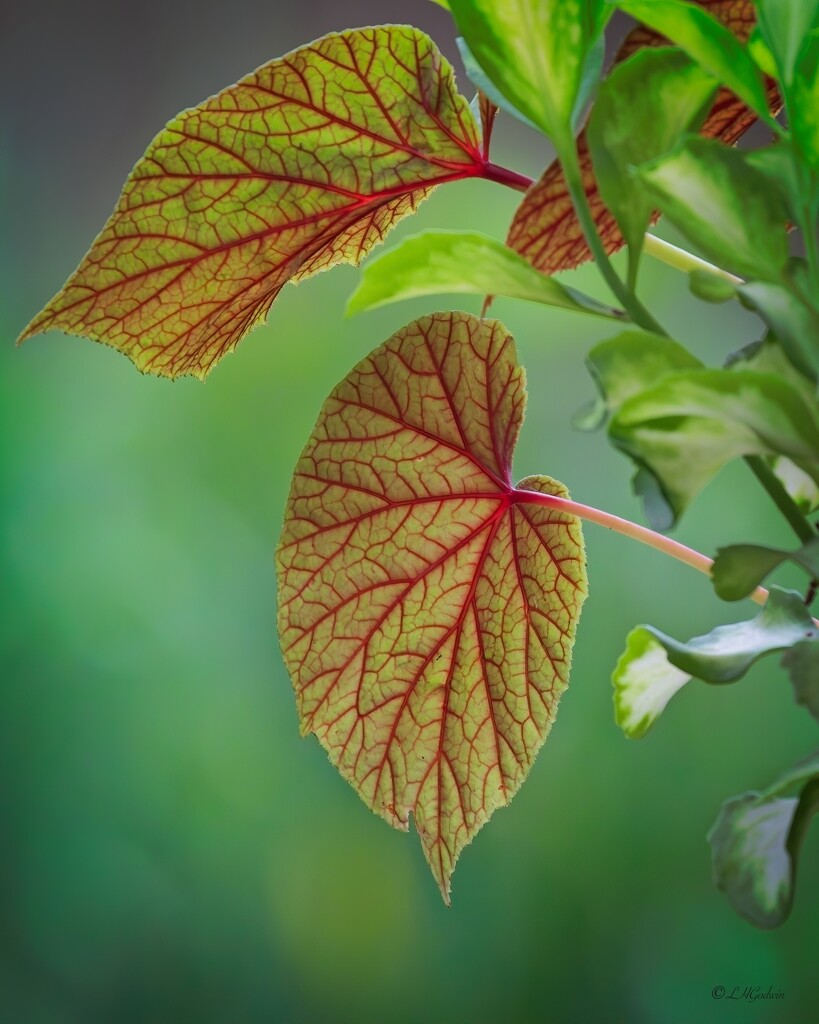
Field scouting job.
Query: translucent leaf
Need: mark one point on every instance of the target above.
(755, 844)
(304, 164)
(462, 262)
(655, 666)
(426, 612)
(687, 427)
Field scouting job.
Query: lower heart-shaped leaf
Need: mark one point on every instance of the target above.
(426, 612)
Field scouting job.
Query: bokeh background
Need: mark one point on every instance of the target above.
(170, 850)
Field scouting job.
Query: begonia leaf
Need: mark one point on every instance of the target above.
(545, 229)
(426, 611)
(304, 164)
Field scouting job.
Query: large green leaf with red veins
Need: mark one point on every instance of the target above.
(304, 164)
(426, 612)
(545, 229)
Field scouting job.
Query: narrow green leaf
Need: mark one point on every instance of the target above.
(739, 568)
(655, 666)
(786, 25)
(462, 262)
(643, 109)
(794, 323)
(688, 426)
(723, 205)
(534, 51)
(801, 663)
(627, 364)
(708, 42)
(803, 108)
(756, 841)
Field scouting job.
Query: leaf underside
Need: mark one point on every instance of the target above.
(304, 164)
(545, 229)
(426, 614)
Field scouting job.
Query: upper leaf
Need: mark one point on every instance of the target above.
(545, 229)
(534, 51)
(739, 568)
(463, 261)
(304, 164)
(756, 840)
(708, 42)
(644, 107)
(426, 615)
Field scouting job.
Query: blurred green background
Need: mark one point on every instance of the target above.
(170, 850)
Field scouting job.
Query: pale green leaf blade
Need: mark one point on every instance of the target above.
(756, 841)
(801, 663)
(643, 109)
(534, 51)
(708, 42)
(691, 424)
(655, 666)
(723, 205)
(463, 262)
(629, 363)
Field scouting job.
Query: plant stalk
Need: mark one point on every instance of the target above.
(681, 259)
(658, 541)
(784, 502)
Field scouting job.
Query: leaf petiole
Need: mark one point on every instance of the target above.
(643, 534)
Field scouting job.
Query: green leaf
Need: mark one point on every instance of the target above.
(756, 841)
(627, 364)
(794, 323)
(708, 42)
(723, 205)
(478, 77)
(426, 616)
(689, 425)
(711, 287)
(801, 663)
(642, 110)
(786, 26)
(803, 111)
(302, 165)
(655, 666)
(739, 568)
(534, 51)
(463, 262)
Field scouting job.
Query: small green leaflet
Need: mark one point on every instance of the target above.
(756, 840)
(643, 108)
(739, 568)
(655, 666)
(462, 262)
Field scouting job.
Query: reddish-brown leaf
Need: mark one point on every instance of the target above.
(306, 163)
(545, 229)
(426, 611)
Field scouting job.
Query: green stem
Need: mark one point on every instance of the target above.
(574, 181)
(784, 502)
(681, 259)
(658, 541)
